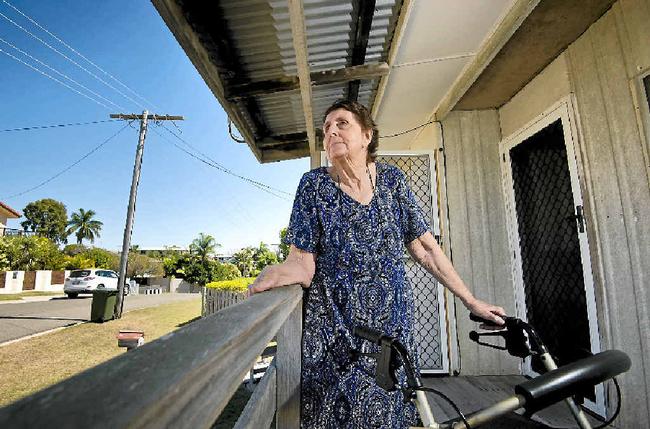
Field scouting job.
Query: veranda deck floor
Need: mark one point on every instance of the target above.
(471, 393)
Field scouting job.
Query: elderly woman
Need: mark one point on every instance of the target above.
(349, 225)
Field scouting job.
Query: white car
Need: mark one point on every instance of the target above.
(86, 281)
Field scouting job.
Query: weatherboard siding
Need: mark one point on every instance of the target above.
(476, 216)
(604, 64)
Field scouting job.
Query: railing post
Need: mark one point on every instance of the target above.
(288, 365)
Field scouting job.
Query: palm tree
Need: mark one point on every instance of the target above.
(244, 261)
(204, 246)
(84, 226)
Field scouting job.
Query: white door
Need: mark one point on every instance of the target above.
(547, 233)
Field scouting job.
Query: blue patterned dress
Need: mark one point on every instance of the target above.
(360, 279)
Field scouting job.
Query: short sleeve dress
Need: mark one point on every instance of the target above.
(360, 279)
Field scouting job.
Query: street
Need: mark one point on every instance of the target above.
(21, 319)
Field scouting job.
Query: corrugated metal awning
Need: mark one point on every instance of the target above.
(245, 51)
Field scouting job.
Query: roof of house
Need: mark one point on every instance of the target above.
(251, 54)
(8, 211)
(275, 66)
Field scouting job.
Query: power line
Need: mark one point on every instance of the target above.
(259, 185)
(69, 59)
(78, 53)
(211, 163)
(226, 169)
(48, 180)
(407, 131)
(59, 73)
(54, 79)
(40, 127)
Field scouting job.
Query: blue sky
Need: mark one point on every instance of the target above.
(178, 197)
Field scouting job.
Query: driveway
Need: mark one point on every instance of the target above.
(20, 319)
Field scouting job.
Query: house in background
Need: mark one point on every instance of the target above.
(7, 213)
(524, 128)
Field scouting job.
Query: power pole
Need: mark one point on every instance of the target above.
(128, 228)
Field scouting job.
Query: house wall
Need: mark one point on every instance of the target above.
(603, 66)
(3, 223)
(601, 69)
(477, 228)
(551, 85)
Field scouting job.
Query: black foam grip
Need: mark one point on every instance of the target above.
(479, 319)
(367, 334)
(569, 380)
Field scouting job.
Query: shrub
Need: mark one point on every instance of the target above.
(103, 258)
(78, 262)
(236, 285)
(29, 253)
(74, 249)
(226, 271)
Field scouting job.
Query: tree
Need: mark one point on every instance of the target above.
(141, 265)
(263, 257)
(283, 249)
(244, 261)
(174, 264)
(103, 258)
(200, 272)
(21, 253)
(83, 226)
(48, 218)
(74, 249)
(204, 246)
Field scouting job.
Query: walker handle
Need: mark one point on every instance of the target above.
(473, 317)
(570, 379)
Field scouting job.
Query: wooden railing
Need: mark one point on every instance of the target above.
(186, 378)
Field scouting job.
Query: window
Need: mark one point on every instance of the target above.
(79, 273)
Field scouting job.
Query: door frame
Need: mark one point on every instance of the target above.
(565, 111)
(446, 326)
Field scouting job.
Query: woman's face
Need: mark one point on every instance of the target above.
(344, 137)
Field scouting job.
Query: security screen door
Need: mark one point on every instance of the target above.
(552, 268)
(430, 329)
(430, 313)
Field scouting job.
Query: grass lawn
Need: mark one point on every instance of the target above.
(31, 365)
(17, 296)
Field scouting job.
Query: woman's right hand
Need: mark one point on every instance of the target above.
(299, 267)
(264, 281)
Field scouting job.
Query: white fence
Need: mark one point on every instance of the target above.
(215, 300)
(15, 281)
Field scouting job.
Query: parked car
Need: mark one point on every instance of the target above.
(88, 280)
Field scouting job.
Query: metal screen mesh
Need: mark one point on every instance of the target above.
(425, 287)
(550, 249)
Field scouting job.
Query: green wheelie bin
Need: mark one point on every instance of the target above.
(103, 305)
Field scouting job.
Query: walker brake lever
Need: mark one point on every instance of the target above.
(475, 336)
